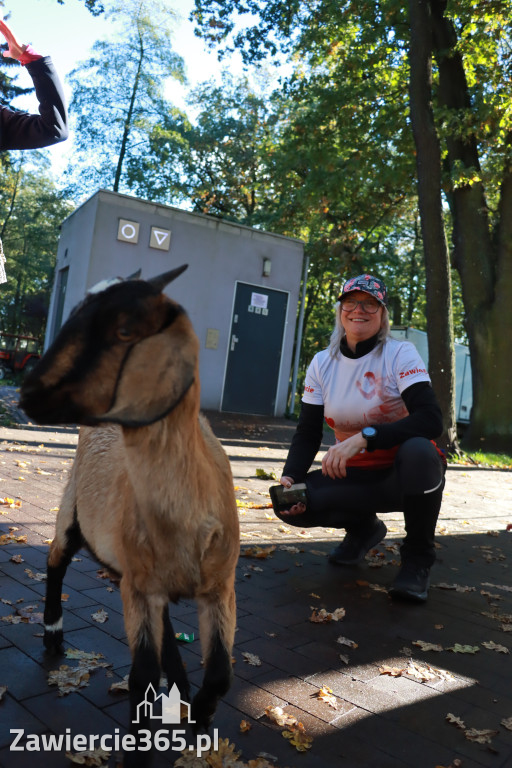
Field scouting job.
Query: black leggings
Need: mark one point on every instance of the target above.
(413, 485)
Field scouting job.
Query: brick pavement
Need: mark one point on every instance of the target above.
(380, 721)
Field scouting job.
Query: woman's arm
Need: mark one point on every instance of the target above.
(20, 130)
(305, 442)
(424, 420)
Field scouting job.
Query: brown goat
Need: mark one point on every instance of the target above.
(150, 492)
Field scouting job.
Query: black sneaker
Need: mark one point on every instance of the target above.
(354, 546)
(412, 583)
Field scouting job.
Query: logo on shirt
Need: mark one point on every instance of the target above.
(309, 389)
(403, 374)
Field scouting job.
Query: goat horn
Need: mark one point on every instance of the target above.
(160, 281)
(136, 275)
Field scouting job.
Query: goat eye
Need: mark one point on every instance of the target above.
(124, 334)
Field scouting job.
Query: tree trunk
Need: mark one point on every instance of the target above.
(483, 262)
(129, 118)
(441, 349)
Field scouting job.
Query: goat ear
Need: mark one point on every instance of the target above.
(156, 375)
(160, 281)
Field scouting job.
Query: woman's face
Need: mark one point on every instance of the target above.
(358, 324)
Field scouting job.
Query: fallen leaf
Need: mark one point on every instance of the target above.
(472, 734)
(75, 653)
(345, 641)
(458, 648)
(492, 646)
(456, 587)
(17, 559)
(264, 475)
(252, 659)
(324, 617)
(455, 721)
(11, 619)
(507, 723)
(35, 576)
(30, 615)
(427, 646)
(325, 694)
(279, 716)
(497, 586)
(298, 738)
(100, 616)
(259, 552)
(481, 737)
(68, 679)
(385, 669)
(244, 726)
(3, 690)
(96, 758)
(422, 672)
(120, 687)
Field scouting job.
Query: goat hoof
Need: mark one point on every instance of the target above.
(201, 716)
(53, 643)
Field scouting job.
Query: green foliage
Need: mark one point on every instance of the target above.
(94, 6)
(118, 96)
(31, 209)
(483, 459)
(219, 162)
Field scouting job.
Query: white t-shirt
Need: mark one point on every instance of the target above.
(364, 392)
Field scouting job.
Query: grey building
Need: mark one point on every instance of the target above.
(241, 289)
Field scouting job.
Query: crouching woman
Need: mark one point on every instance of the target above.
(375, 393)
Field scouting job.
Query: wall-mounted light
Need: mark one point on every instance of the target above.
(267, 267)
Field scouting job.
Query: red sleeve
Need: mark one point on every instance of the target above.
(29, 55)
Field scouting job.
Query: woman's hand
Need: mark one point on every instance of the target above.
(296, 509)
(334, 463)
(15, 50)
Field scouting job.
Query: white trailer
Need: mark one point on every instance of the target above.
(463, 385)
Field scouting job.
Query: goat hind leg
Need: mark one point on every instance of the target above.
(216, 628)
(172, 663)
(62, 550)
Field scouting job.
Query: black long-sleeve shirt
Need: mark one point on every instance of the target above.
(20, 130)
(424, 420)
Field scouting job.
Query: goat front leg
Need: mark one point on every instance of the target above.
(217, 619)
(62, 549)
(143, 616)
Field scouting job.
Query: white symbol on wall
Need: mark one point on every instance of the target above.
(160, 238)
(128, 231)
(171, 706)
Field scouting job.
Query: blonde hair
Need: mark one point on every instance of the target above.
(339, 332)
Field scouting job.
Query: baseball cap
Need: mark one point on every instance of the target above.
(367, 283)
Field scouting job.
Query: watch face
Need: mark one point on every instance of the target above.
(369, 432)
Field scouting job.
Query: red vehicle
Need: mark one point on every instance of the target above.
(18, 353)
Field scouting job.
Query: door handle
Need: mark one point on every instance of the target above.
(234, 340)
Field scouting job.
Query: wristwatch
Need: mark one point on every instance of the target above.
(370, 435)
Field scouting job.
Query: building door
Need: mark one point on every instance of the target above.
(255, 348)
(62, 284)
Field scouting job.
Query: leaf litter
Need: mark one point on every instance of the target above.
(472, 734)
(69, 679)
(322, 616)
